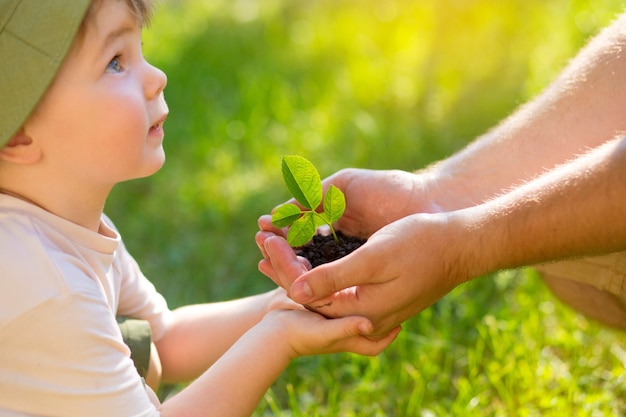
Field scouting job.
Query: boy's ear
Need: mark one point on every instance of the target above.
(21, 149)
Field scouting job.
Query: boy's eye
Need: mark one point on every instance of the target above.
(114, 65)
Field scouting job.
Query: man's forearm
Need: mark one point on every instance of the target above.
(583, 108)
(574, 210)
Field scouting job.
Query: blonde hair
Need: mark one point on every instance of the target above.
(141, 9)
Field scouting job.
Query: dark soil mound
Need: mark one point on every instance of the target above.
(323, 249)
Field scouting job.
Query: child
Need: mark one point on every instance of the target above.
(81, 110)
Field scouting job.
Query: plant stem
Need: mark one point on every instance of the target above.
(332, 230)
(326, 222)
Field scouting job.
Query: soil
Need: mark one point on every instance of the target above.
(323, 248)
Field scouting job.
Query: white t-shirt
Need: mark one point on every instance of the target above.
(61, 287)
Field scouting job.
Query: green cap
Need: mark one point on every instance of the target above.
(35, 36)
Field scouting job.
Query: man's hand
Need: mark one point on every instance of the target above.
(399, 272)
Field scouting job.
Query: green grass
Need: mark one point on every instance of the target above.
(377, 84)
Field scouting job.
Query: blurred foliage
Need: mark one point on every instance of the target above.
(378, 84)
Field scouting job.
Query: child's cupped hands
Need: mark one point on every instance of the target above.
(309, 333)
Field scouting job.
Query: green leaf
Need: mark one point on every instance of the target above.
(321, 219)
(302, 230)
(302, 180)
(285, 215)
(334, 204)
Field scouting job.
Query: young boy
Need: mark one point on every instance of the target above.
(81, 110)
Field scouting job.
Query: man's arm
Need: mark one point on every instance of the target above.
(574, 210)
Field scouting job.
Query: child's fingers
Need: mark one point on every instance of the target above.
(266, 225)
(374, 347)
(285, 265)
(369, 347)
(350, 334)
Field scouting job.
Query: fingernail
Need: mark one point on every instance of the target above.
(301, 292)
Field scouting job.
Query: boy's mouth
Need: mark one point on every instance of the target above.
(159, 124)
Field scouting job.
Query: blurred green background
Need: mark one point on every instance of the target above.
(375, 84)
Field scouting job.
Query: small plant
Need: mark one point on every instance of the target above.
(305, 185)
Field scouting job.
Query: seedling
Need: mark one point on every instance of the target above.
(304, 183)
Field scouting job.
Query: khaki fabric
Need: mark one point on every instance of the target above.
(606, 272)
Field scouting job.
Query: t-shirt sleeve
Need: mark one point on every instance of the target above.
(138, 298)
(68, 358)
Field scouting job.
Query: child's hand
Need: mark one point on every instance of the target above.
(279, 300)
(308, 333)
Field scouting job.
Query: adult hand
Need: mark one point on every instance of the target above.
(374, 199)
(402, 269)
(377, 198)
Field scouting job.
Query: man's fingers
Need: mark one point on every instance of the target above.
(330, 278)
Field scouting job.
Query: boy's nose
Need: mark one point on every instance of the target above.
(155, 81)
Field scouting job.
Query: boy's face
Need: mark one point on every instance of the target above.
(101, 120)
